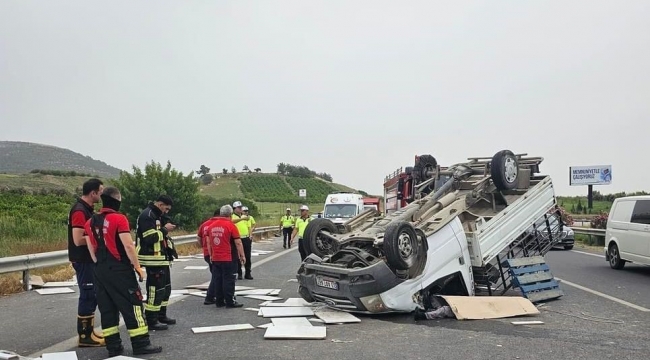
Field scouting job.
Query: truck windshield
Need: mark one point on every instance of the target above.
(340, 211)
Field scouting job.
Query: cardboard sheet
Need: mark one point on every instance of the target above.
(490, 307)
(263, 297)
(296, 332)
(291, 321)
(206, 329)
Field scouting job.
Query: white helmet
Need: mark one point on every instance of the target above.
(236, 204)
(304, 207)
(245, 208)
(288, 209)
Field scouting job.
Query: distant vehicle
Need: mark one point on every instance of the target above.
(342, 207)
(627, 237)
(371, 203)
(563, 235)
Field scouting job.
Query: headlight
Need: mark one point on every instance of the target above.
(373, 303)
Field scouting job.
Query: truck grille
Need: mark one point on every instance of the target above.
(334, 302)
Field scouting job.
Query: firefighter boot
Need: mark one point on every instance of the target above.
(86, 331)
(153, 323)
(162, 316)
(142, 345)
(114, 345)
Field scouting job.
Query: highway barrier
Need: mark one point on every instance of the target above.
(25, 263)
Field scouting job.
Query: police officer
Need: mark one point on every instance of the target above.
(252, 225)
(83, 263)
(241, 222)
(111, 248)
(301, 224)
(153, 253)
(286, 226)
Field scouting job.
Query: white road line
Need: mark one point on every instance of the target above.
(71, 343)
(622, 302)
(586, 253)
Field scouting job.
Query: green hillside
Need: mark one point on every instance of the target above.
(22, 157)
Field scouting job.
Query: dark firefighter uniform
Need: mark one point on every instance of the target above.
(83, 265)
(118, 291)
(154, 253)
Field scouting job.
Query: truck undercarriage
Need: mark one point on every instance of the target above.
(459, 225)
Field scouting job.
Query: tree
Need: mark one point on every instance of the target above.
(142, 187)
(204, 170)
(233, 170)
(282, 168)
(225, 171)
(257, 170)
(245, 169)
(207, 179)
(209, 205)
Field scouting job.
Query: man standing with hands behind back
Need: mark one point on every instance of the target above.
(222, 235)
(83, 264)
(241, 222)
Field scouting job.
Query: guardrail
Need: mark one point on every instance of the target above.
(588, 231)
(28, 262)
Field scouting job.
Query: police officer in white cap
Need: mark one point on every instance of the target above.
(241, 222)
(286, 226)
(301, 224)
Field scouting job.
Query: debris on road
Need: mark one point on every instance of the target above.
(269, 312)
(67, 355)
(341, 341)
(263, 297)
(235, 327)
(336, 317)
(534, 322)
(52, 291)
(296, 332)
(201, 267)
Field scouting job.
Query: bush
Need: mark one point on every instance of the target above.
(207, 179)
(140, 188)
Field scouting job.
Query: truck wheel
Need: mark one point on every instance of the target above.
(615, 261)
(401, 245)
(425, 164)
(504, 170)
(316, 244)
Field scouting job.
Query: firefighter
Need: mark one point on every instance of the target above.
(286, 226)
(111, 248)
(83, 263)
(154, 254)
(301, 224)
(224, 244)
(203, 239)
(241, 222)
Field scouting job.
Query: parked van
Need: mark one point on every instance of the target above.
(341, 207)
(627, 238)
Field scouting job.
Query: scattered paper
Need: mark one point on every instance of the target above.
(263, 297)
(53, 284)
(292, 280)
(52, 291)
(254, 292)
(182, 260)
(252, 309)
(291, 321)
(336, 317)
(207, 329)
(268, 312)
(264, 326)
(204, 267)
(181, 292)
(489, 307)
(296, 332)
(534, 322)
(275, 292)
(67, 355)
(241, 288)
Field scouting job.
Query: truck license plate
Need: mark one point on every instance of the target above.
(327, 283)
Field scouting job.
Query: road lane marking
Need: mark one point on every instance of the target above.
(586, 253)
(622, 302)
(71, 343)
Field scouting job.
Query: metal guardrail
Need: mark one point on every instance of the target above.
(588, 231)
(28, 262)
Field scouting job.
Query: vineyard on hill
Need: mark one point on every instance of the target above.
(284, 189)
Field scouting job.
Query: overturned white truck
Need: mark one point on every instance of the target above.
(452, 238)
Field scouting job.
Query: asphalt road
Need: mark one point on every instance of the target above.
(32, 322)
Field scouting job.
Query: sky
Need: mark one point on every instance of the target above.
(352, 88)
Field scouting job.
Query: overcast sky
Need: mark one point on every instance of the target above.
(353, 88)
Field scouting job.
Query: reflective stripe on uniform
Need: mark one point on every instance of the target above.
(142, 330)
(288, 222)
(151, 298)
(137, 310)
(146, 263)
(110, 331)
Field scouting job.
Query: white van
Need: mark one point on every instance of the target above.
(627, 238)
(341, 207)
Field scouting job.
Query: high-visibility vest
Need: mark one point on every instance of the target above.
(242, 226)
(301, 225)
(287, 221)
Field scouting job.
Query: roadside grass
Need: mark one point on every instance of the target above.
(272, 211)
(571, 203)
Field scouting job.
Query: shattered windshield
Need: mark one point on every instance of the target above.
(340, 211)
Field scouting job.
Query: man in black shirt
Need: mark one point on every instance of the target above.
(82, 262)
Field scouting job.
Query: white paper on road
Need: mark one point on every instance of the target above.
(263, 297)
(534, 322)
(122, 357)
(336, 317)
(275, 292)
(286, 311)
(264, 326)
(204, 267)
(67, 355)
(291, 321)
(199, 287)
(254, 292)
(52, 291)
(199, 294)
(252, 309)
(182, 260)
(292, 280)
(181, 292)
(296, 332)
(53, 284)
(297, 301)
(206, 329)
(241, 288)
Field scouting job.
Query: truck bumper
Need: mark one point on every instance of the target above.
(352, 290)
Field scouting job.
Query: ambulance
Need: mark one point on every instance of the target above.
(341, 207)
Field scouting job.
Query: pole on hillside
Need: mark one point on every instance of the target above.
(590, 197)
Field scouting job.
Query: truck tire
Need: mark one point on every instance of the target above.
(401, 245)
(425, 163)
(504, 170)
(312, 241)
